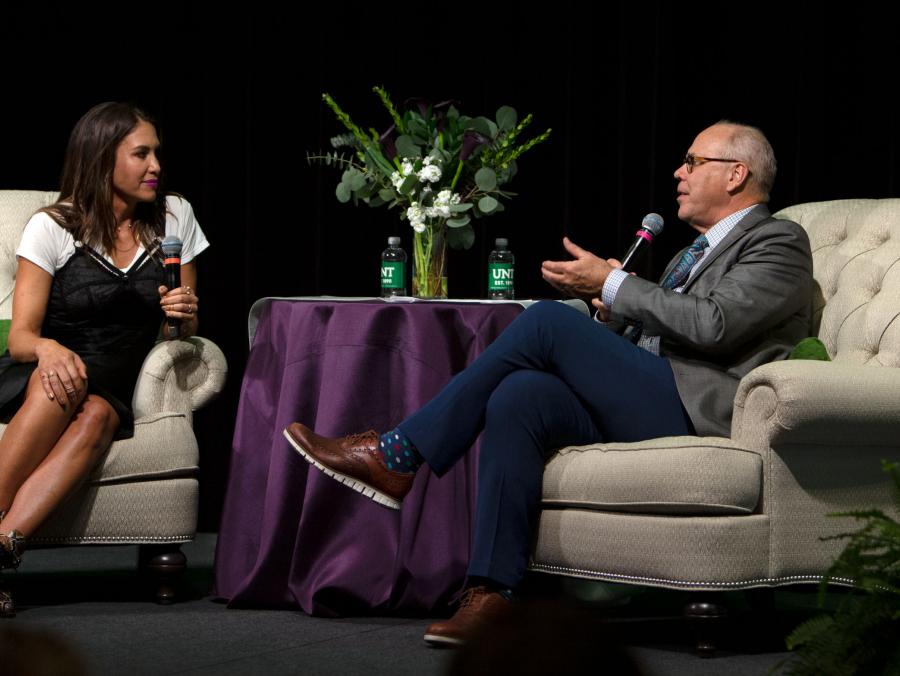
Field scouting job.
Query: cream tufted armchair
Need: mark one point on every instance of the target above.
(145, 489)
(807, 438)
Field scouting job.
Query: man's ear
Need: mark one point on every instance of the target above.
(738, 177)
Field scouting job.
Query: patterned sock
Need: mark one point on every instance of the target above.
(398, 452)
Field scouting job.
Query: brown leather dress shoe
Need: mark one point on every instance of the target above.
(478, 608)
(353, 460)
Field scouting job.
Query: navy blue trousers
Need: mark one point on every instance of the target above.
(553, 378)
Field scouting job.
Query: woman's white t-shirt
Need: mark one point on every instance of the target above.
(50, 246)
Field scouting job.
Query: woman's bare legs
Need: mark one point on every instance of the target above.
(47, 451)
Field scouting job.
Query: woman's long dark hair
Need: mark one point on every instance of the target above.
(86, 193)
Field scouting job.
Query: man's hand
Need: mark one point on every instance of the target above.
(602, 310)
(583, 277)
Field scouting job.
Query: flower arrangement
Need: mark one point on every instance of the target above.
(441, 168)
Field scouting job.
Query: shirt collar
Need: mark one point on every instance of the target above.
(718, 232)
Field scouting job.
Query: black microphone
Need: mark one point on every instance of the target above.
(171, 247)
(651, 226)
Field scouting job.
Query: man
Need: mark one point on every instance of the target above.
(736, 298)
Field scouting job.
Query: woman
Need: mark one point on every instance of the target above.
(89, 303)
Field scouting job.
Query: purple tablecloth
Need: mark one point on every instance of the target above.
(292, 537)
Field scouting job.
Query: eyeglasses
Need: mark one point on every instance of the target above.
(691, 161)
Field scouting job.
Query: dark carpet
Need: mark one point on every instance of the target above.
(86, 606)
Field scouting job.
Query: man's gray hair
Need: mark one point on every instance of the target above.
(750, 146)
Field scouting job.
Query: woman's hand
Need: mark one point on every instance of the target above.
(180, 303)
(63, 374)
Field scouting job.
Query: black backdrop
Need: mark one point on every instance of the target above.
(625, 87)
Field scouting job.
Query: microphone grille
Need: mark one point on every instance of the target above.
(653, 223)
(171, 246)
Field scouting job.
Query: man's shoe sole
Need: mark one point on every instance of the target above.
(349, 481)
(443, 641)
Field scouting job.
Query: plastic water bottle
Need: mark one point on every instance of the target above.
(393, 269)
(501, 271)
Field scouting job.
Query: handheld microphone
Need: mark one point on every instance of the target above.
(651, 226)
(171, 247)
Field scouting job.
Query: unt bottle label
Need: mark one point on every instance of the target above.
(393, 275)
(500, 277)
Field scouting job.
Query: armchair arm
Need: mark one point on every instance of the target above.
(179, 375)
(814, 402)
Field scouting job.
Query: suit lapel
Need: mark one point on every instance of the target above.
(759, 214)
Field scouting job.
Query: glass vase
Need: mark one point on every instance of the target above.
(429, 274)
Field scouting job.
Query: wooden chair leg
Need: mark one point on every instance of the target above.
(164, 564)
(706, 616)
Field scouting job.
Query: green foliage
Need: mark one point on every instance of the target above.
(434, 163)
(4, 333)
(810, 348)
(863, 634)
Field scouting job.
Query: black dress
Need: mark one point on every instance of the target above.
(107, 317)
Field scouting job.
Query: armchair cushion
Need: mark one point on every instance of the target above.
(671, 476)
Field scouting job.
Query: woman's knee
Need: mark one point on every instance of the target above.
(36, 394)
(97, 420)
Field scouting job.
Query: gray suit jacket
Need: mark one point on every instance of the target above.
(748, 303)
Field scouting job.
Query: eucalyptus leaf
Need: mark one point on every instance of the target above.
(461, 238)
(487, 204)
(386, 194)
(342, 192)
(483, 126)
(357, 181)
(376, 201)
(364, 191)
(458, 222)
(486, 179)
(507, 118)
(459, 208)
(406, 146)
(418, 130)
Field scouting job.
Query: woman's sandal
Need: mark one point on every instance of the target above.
(12, 545)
